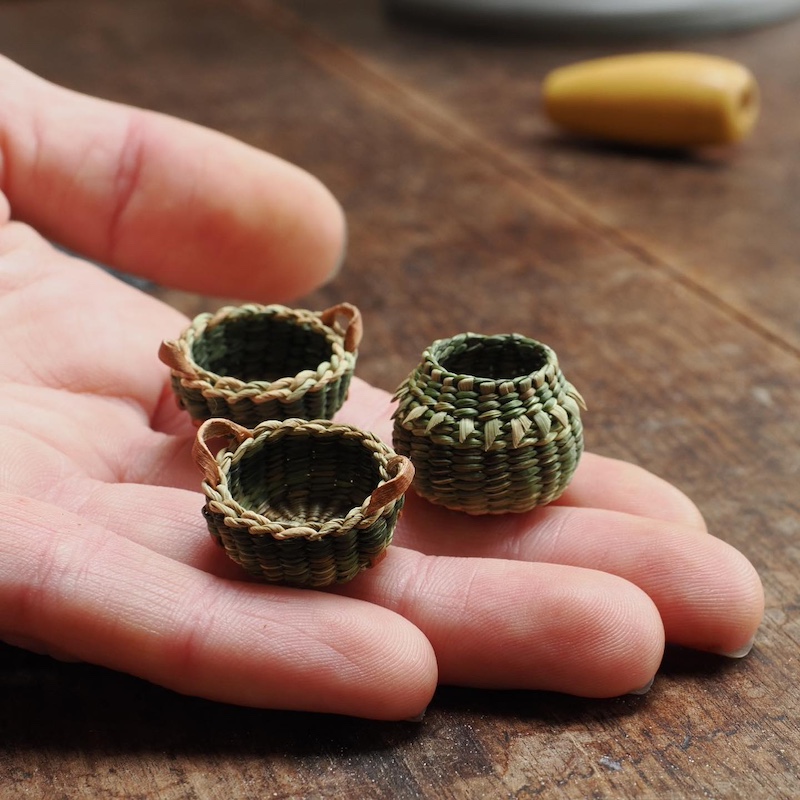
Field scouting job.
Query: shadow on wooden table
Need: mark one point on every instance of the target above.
(79, 707)
(712, 158)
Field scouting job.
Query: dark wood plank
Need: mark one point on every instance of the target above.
(725, 220)
(444, 237)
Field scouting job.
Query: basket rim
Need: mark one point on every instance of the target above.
(214, 385)
(431, 360)
(221, 501)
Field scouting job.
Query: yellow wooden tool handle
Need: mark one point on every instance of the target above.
(654, 99)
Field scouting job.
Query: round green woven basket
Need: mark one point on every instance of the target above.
(490, 424)
(251, 363)
(302, 503)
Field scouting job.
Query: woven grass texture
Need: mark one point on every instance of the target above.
(303, 503)
(490, 424)
(251, 363)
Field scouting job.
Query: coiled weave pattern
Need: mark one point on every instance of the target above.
(490, 424)
(303, 503)
(251, 363)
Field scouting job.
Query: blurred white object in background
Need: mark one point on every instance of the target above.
(627, 17)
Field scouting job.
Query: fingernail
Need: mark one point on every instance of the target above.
(645, 689)
(419, 717)
(742, 651)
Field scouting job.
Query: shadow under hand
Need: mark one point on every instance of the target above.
(69, 707)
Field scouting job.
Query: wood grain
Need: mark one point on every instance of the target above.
(723, 219)
(667, 285)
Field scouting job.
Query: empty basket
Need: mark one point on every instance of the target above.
(490, 424)
(301, 503)
(251, 363)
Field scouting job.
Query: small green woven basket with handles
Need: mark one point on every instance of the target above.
(490, 424)
(254, 362)
(299, 502)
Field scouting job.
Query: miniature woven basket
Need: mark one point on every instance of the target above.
(251, 363)
(301, 503)
(490, 424)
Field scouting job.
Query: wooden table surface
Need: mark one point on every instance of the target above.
(668, 284)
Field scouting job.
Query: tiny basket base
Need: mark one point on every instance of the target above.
(313, 563)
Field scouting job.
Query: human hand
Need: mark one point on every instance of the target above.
(105, 556)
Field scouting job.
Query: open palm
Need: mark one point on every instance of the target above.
(104, 555)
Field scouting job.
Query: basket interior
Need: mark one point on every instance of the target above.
(493, 357)
(260, 347)
(304, 480)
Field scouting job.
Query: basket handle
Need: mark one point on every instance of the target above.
(353, 328)
(394, 488)
(211, 429)
(172, 354)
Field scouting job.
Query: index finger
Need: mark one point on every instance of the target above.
(160, 197)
